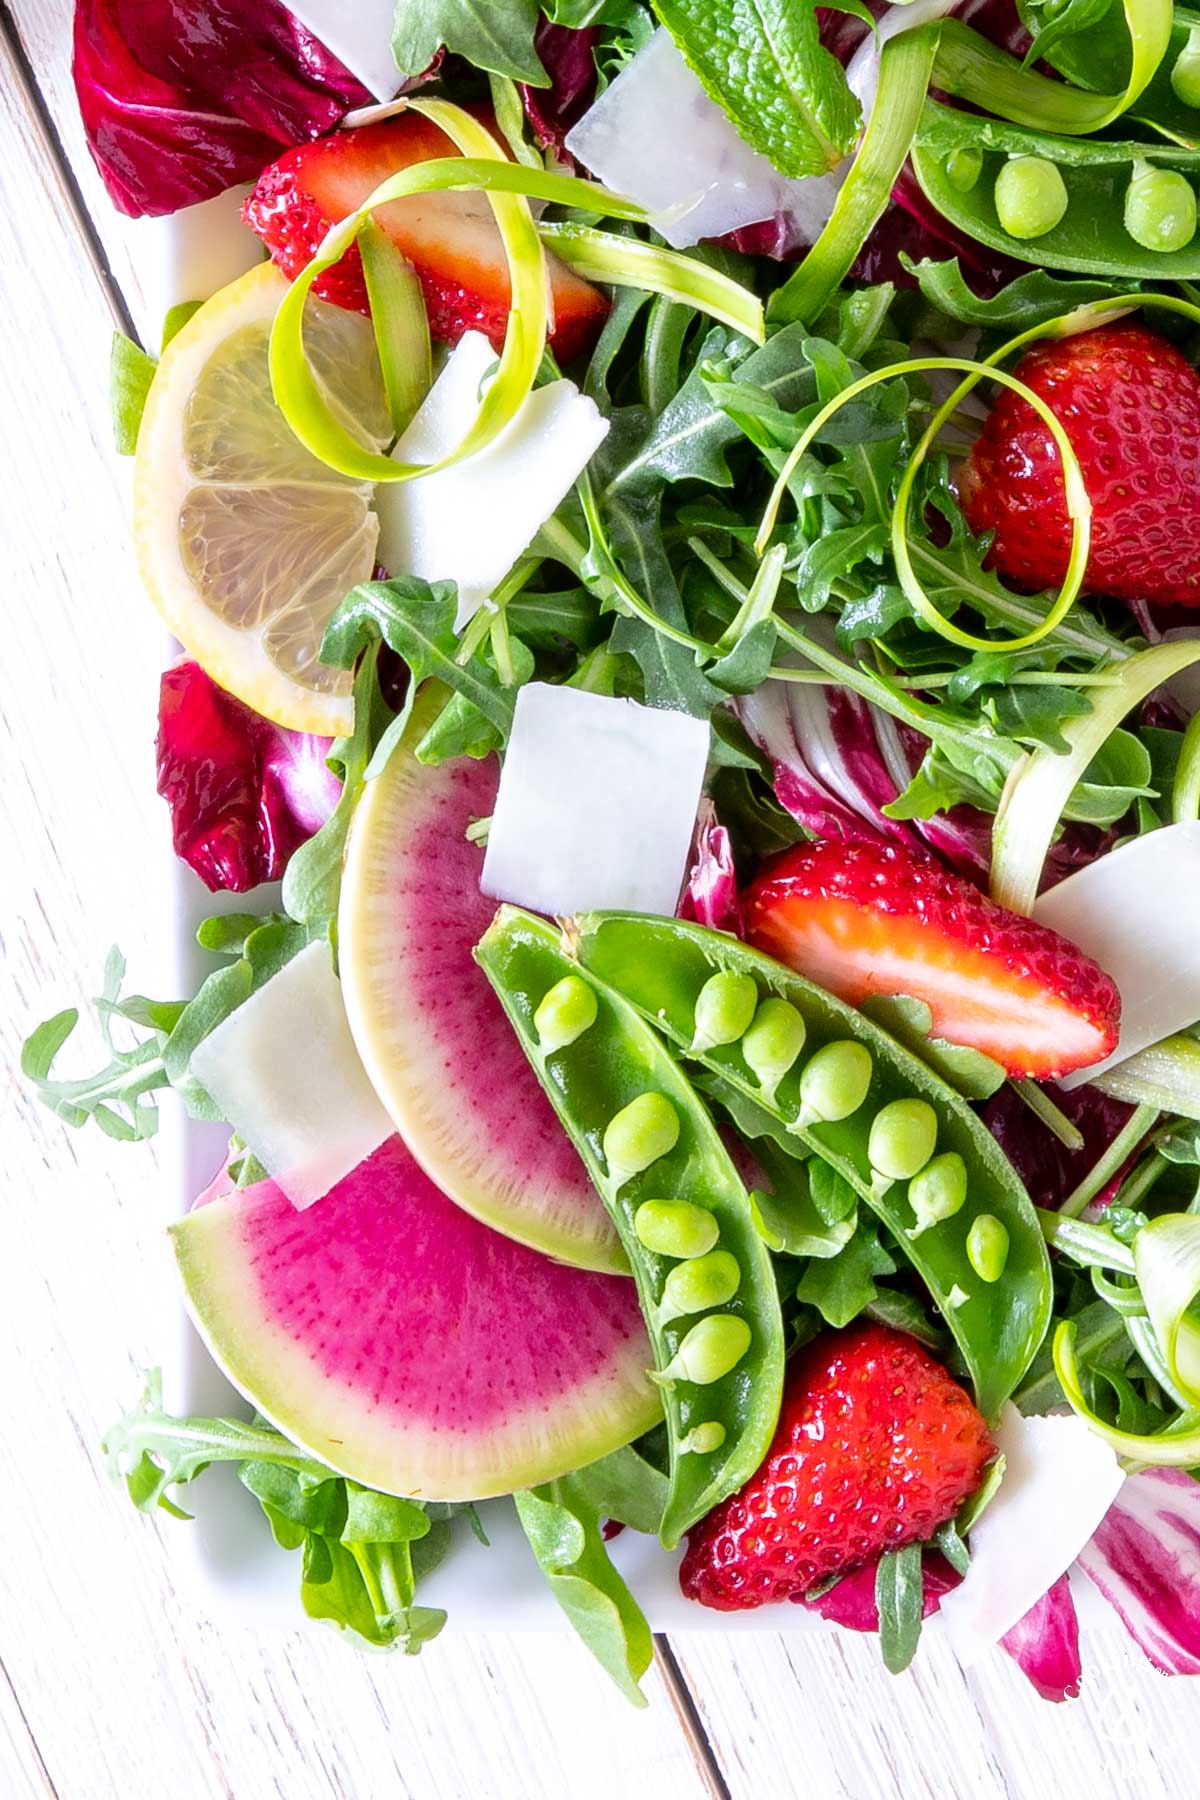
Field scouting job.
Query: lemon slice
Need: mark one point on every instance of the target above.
(245, 541)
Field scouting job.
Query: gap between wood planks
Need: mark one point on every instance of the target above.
(20, 76)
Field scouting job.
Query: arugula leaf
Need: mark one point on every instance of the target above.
(494, 35)
(763, 62)
(669, 669)
(900, 1601)
(363, 1551)
(130, 372)
(625, 1487)
(115, 1098)
(689, 438)
(1032, 299)
(562, 1524)
(416, 620)
(844, 1284)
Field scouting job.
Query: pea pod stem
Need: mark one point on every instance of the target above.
(905, 64)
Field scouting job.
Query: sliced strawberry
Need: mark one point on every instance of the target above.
(450, 239)
(867, 918)
(876, 1446)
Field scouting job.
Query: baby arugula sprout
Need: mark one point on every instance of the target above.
(117, 1097)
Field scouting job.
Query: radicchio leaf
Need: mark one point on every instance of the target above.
(1045, 1644)
(1047, 1167)
(837, 763)
(710, 895)
(850, 1602)
(181, 99)
(243, 793)
(568, 57)
(1145, 1559)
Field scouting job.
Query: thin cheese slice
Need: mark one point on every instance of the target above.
(470, 523)
(1059, 1481)
(1134, 912)
(285, 1074)
(596, 804)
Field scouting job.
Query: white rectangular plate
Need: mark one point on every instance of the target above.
(234, 1561)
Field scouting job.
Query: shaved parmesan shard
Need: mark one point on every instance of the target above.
(1133, 911)
(655, 135)
(359, 33)
(470, 523)
(596, 805)
(284, 1071)
(1059, 1482)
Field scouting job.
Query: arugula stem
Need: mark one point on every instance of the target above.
(609, 583)
(1135, 1128)
(1133, 1191)
(1094, 1246)
(1042, 1107)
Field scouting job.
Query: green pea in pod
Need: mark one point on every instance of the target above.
(890, 1128)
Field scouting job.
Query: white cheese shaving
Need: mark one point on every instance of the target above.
(1059, 1482)
(655, 135)
(285, 1074)
(1133, 912)
(359, 33)
(470, 523)
(596, 804)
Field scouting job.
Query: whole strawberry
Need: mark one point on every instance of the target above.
(878, 918)
(1130, 404)
(876, 1446)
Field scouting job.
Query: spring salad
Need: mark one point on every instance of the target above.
(684, 534)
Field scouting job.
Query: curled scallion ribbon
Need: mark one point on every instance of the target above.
(508, 188)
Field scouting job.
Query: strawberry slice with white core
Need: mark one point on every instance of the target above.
(451, 240)
(864, 918)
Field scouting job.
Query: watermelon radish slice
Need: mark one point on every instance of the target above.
(431, 1033)
(408, 1346)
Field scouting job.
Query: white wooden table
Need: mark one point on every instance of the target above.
(113, 1685)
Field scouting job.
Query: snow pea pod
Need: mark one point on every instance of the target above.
(660, 965)
(1091, 235)
(615, 1086)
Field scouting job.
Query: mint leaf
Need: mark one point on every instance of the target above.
(763, 62)
(562, 1524)
(900, 1601)
(494, 35)
(130, 372)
